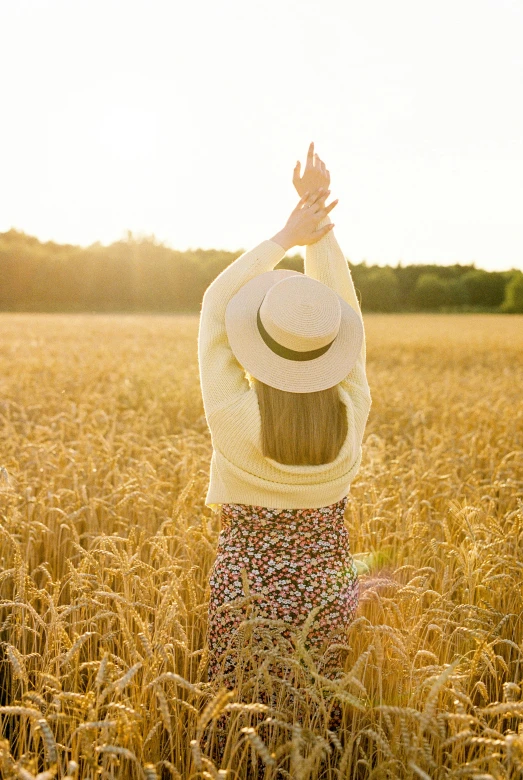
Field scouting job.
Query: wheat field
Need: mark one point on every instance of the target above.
(106, 547)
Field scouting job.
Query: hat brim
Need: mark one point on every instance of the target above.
(294, 376)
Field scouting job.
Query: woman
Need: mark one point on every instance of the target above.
(282, 372)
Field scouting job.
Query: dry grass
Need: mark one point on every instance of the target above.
(106, 546)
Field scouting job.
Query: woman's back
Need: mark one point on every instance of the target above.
(240, 472)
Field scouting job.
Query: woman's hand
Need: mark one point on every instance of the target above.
(301, 228)
(314, 176)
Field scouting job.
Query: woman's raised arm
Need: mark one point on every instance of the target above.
(325, 262)
(221, 376)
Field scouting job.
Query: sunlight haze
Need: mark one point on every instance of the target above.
(185, 120)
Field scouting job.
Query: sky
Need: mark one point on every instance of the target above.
(184, 120)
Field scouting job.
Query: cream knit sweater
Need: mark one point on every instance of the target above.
(240, 473)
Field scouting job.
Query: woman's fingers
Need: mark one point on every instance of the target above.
(296, 178)
(307, 214)
(319, 193)
(325, 229)
(322, 211)
(302, 201)
(320, 165)
(310, 199)
(331, 205)
(313, 202)
(314, 198)
(320, 233)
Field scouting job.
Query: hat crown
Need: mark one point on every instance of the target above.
(301, 313)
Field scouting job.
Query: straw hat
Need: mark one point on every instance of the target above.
(292, 332)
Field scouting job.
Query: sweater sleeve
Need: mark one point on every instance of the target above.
(325, 262)
(221, 376)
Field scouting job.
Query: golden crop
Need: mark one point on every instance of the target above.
(106, 547)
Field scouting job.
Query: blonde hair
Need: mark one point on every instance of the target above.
(301, 429)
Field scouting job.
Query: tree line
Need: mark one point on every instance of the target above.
(143, 275)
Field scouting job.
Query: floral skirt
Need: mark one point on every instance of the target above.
(294, 560)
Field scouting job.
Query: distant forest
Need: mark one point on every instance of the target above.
(143, 275)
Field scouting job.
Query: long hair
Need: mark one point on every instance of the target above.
(302, 429)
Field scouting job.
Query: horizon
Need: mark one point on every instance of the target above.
(290, 253)
(188, 122)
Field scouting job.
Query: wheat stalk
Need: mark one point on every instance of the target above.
(105, 537)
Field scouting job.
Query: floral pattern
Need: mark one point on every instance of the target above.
(294, 560)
